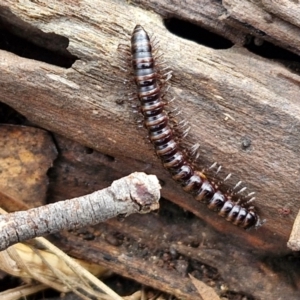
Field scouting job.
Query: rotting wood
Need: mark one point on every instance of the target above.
(144, 270)
(144, 261)
(260, 95)
(286, 9)
(206, 14)
(237, 20)
(26, 155)
(262, 24)
(136, 193)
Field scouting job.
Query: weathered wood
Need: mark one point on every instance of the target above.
(262, 23)
(285, 9)
(259, 96)
(207, 14)
(147, 271)
(26, 155)
(171, 239)
(237, 20)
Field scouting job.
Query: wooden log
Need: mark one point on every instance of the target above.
(243, 109)
(286, 10)
(161, 249)
(262, 23)
(238, 20)
(258, 95)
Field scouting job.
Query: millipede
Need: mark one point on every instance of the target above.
(167, 147)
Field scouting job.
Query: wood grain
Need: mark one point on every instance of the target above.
(260, 96)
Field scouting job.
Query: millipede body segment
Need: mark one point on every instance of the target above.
(162, 137)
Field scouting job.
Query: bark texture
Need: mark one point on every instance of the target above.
(243, 108)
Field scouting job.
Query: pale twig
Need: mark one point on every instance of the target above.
(136, 193)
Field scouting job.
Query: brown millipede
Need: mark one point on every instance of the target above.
(161, 135)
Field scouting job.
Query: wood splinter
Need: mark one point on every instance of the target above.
(294, 240)
(136, 193)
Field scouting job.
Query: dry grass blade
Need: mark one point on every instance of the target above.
(22, 291)
(54, 269)
(205, 291)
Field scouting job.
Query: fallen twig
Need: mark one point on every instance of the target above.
(136, 193)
